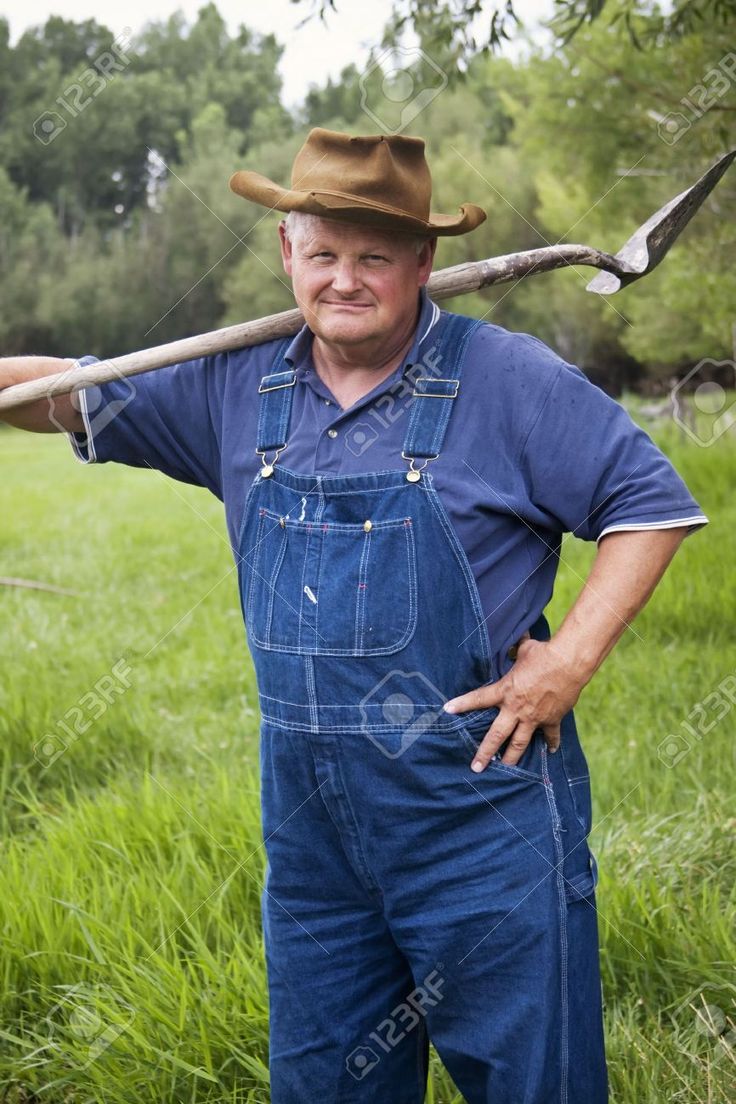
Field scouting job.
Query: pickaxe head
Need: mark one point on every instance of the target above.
(646, 248)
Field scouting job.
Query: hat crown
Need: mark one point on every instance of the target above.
(386, 169)
(378, 180)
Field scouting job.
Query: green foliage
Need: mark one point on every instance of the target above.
(339, 99)
(161, 83)
(645, 23)
(457, 31)
(609, 167)
(121, 232)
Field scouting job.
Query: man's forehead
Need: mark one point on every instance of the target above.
(356, 234)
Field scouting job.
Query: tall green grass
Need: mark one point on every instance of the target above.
(132, 865)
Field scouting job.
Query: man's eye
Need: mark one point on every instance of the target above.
(376, 257)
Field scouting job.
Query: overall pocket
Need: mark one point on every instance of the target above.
(529, 765)
(568, 798)
(328, 588)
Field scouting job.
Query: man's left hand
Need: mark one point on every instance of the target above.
(537, 692)
(548, 676)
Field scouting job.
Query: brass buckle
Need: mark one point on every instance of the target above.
(267, 469)
(415, 474)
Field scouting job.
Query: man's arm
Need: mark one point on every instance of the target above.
(548, 676)
(41, 416)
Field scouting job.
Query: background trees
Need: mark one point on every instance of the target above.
(119, 230)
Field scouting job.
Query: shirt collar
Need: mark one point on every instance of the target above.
(299, 352)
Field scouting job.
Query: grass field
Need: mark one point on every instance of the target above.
(131, 960)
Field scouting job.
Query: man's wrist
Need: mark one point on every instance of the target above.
(580, 653)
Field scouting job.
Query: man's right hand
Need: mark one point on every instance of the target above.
(57, 415)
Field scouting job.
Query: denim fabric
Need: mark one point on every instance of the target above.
(407, 898)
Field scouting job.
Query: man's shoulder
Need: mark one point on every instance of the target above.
(512, 359)
(233, 372)
(510, 377)
(237, 368)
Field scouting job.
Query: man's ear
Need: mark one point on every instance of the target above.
(426, 260)
(285, 248)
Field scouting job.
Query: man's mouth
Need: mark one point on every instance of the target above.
(346, 305)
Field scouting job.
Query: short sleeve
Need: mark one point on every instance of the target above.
(169, 419)
(593, 471)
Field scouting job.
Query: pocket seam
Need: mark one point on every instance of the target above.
(339, 526)
(511, 768)
(251, 570)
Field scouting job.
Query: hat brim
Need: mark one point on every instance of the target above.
(351, 208)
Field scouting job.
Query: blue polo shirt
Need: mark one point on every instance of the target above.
(533, 449)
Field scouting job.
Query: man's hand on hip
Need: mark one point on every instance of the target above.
(548, 676)
(537, 692)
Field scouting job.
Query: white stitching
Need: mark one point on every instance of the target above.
(562, 903)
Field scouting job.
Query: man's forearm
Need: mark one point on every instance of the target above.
(625, 572)
(41, 416)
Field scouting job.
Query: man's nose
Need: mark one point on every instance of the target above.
(346, 280)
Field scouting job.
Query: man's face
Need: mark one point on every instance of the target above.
(355, 285)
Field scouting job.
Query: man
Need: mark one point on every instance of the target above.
(396, 482)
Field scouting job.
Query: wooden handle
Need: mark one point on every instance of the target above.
(447, 282)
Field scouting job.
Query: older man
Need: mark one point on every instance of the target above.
(397, 481)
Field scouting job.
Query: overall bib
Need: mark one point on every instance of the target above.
(406, 897)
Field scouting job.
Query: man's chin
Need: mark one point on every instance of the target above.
(345, 327)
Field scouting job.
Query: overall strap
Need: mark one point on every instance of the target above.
(433, 396)
(276, 391)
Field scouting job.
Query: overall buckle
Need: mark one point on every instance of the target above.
(267, 468)
(415, 474)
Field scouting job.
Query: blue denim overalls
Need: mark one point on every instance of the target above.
(406, 897)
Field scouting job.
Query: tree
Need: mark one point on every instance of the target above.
(106, 106)
(122, 232)
(455, 31)
(596, 109)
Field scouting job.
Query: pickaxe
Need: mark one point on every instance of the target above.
(640, 255)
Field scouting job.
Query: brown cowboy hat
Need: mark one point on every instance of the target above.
(378, 180)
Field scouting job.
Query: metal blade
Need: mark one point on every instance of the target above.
(646, 248)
